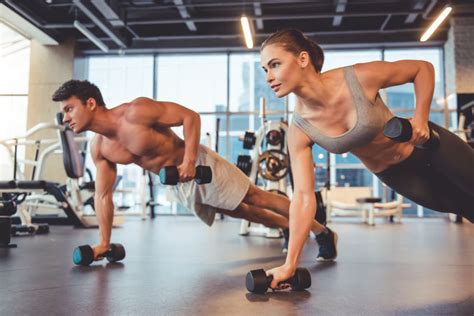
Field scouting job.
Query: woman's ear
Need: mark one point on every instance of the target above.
(304, 59)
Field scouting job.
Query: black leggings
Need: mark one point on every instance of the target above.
(440, 179)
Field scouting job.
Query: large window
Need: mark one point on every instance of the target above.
(122, 79)
(14, 50)
(228, 88)
(401, 99)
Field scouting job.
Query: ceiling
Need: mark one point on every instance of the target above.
(141, 26)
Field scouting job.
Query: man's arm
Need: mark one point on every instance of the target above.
(169, 114)
(103, 203)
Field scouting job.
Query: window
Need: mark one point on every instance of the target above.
(248, 85)
(14, 50)
(122, 79)
(401, 99)
(198, 82)
(228, 88)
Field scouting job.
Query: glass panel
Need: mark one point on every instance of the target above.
(208, 132)
(403, 96)
(335, 59)
(15, 66)
(198, 82)
(248, 85)
(12, 124)
(321, 159)
(353, 177)
(122, 79)
(14, 61)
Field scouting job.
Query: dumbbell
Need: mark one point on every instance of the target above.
(257, 281)
(84, 255)
(169, 175)
(400, 130)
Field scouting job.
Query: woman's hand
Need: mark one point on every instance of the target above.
(280, 274)
(421, 131)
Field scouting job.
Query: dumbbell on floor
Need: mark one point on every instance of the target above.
(257, 281)
(169, 175)
(84, 255)
(400, 130)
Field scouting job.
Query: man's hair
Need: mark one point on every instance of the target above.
(81, 89)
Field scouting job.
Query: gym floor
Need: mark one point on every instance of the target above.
(178, 266)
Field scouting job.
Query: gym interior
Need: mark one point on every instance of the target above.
(394, 256)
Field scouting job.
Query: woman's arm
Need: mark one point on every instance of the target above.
(380, 74)
(303, 203)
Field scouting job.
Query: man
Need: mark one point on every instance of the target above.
(140, 132)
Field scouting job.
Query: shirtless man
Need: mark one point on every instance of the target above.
(140, 132)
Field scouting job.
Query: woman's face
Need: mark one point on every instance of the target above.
(283, 69)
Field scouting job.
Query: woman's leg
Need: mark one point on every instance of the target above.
(454, 158)
(417, 179)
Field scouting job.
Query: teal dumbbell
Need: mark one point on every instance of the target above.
(84, 255)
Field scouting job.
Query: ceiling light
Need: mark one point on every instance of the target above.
(247, 31)
(436, 24)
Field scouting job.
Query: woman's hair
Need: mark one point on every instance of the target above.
(294, 41)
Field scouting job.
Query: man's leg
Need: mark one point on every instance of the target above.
(275, 202)
(257, 215)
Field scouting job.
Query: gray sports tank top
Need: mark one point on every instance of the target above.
(371, 118)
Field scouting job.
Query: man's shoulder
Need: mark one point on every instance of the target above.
(142, 101)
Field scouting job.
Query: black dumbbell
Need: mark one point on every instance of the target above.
(249, 140)
(400, 130)
(257, 281)
(42, 229)
(84, 255)
(169, 175)
(244, 163)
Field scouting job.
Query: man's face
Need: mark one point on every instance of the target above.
(77, 114)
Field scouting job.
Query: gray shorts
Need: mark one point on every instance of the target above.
(226, 191)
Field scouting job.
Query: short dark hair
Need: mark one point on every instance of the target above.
(294, 41)
(81, 89)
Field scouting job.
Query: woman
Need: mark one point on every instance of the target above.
(341, 111)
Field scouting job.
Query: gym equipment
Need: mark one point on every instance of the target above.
(7, 209)
(268, 165)
(274, 137)
(249, 140)
(169, 175)
(273, 164)
(84, 255)
(400, 130)
(244, 163)
(70, 198)
(258, 282)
